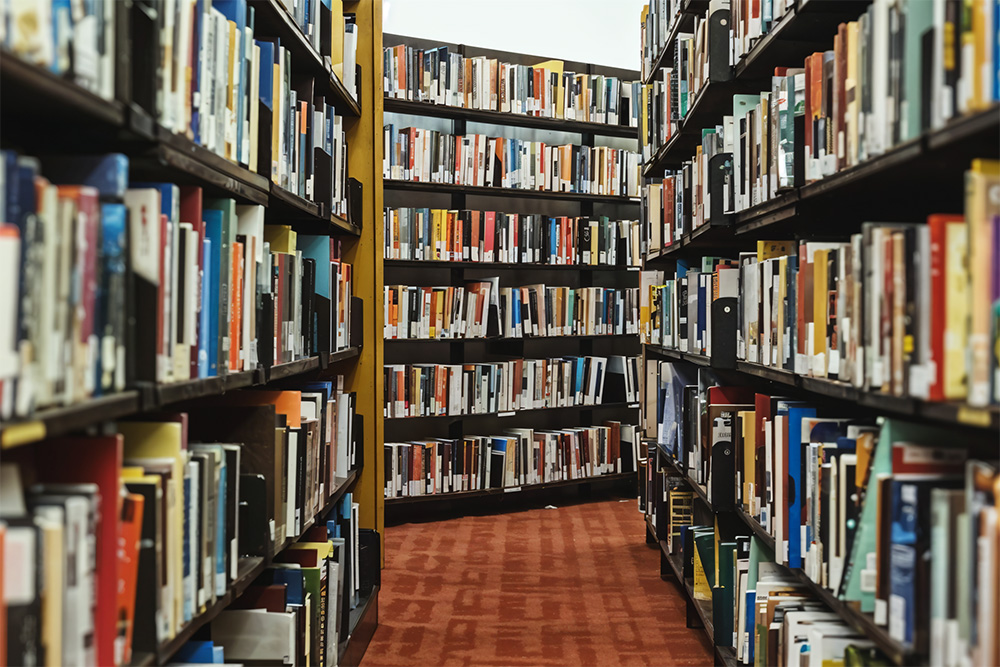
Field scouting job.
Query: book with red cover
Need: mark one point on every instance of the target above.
(93, 460)
(273, 598)
(191, 211)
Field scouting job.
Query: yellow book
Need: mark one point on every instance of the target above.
(702, 591)
(53, 552)
(981, 48)
(852, 94)
(162, 440)
(281, 237)
(773, 249)
(337, 37)
(982, 182)
(956, 311)
(556, 66)
(438, 232)
(749, 422)
(819, 313)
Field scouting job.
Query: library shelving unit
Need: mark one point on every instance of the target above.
(879, 188)
(406, 194)
(43, 113)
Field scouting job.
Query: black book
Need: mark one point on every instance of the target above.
(144, 624)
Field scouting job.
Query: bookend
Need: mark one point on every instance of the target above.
(724, 333)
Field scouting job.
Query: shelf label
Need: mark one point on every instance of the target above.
(633, 406)
(505, 414)
(15, 435)
(973, 416)
(511, 489)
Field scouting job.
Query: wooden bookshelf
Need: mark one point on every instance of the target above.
(47, 114)
(927, 174)
(403, 194)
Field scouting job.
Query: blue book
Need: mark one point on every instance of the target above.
(210, 301)
(682, 268)
(199, 653)
(108, 173)
(266, 72)
(109, 311)
(221, 578)
(903, 560)
(318, 248)
(205, 314)
(294, 584)
(748, 626)
(795, 416)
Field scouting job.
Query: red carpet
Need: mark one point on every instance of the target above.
(572, 586)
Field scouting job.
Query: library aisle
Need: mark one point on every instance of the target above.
(564, 586)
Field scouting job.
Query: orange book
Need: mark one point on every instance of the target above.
(128, 568)
(288, 403)
(236, 312)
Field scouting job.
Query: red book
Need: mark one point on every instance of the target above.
(808, 133)
(191, 211)
(489, 234)
(938, 225)
(668, 211)
(93, 460)
(762, 413)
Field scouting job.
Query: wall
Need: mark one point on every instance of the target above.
(603, 32)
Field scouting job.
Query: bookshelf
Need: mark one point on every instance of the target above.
(46, 114)
(929, 162)
(495, 348)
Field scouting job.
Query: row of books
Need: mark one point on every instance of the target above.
(656, 20)
(856, 500)
(758, 608)
(518, 457)
(219, 72)
(484, 309)
(671, 94)
(431, 390)
(217, 81)
(441, 76)
(119, 540)
(679, 307)
(442, 235)
(752, 21)
(429, 156)
(77, 43)
(110, 281)
(905, 309)
(882, 84)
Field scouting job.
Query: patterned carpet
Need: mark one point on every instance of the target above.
(571, 586)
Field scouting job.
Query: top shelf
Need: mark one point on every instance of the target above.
(273, 19)
(512, 119)
(34, 97)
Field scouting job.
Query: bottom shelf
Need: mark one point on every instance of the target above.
(364, 620)
(405, 500)
(724, 655)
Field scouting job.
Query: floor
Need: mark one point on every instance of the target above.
(574, 586)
